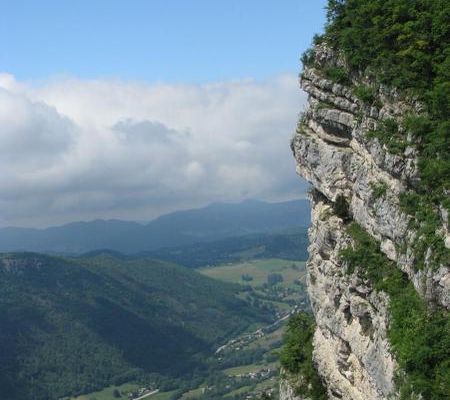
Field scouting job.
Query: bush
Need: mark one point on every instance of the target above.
(308, 57)
(296, 356)
(365, 93)
(378, 190)
(337, 75)
(426, 224)
(246, 277)
(389, 135)
(273, 279)
(341, 208)
(418, 335)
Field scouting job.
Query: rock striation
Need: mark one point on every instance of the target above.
(334, 152)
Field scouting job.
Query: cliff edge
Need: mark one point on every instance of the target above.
(378, 268)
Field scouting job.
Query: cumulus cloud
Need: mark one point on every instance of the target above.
(81, 149)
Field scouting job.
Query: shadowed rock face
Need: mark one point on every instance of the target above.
(333, 152)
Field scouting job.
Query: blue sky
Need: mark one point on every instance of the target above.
(131, 109)
(155, 40)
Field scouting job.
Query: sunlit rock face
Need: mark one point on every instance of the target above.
(334, 153)
(287, 391)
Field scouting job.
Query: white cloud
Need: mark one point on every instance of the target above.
(73, 149)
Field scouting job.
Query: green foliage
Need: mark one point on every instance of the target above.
(341, 208)
(418, 335)
(426, 223)
(274, 278)
(409, 202)
(378, 190)
(337, 74)
(433, 142)
(389, 135)
(365, 93)
(290, 246)
(73, 326)
(308, 57)
(296, 356)
(246, 277)
(405, 44)
(322, 105)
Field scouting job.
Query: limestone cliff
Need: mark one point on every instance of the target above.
(348, 166)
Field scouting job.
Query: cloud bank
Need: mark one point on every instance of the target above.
(75, 149)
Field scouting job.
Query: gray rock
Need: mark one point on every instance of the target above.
(334, 153)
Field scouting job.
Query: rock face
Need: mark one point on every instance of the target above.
(333, 152)
(287, 391)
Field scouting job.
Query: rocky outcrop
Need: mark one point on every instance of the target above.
(336, 155)
(287, 391)
(351, 348)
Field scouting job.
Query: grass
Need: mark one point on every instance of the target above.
(259, 270)
(192, 394)
(378, 190)
(246, 369)
(388, 134)
(243, 369)
(267, 341)
(240, 390)
(163, 395)
(107, 393)
(268, 384)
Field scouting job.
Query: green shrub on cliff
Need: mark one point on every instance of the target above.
(337, 74)
(418, 335)
(296, 356)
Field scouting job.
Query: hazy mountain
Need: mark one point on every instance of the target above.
(76, 325)
(290, 246)
(216, 221)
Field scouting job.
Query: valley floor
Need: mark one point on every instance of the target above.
(245, 366)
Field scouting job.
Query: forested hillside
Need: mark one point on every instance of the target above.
(290, 246)
(73, 326)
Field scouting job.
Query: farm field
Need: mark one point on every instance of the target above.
(108, 393)
(258, 270)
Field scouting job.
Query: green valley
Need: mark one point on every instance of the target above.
(78, 325)
(103, 326)
(245, 366)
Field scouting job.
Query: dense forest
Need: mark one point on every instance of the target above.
(73, 326)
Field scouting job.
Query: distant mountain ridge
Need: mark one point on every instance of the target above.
(213, 222)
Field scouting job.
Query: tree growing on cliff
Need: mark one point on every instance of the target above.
(296, 356)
